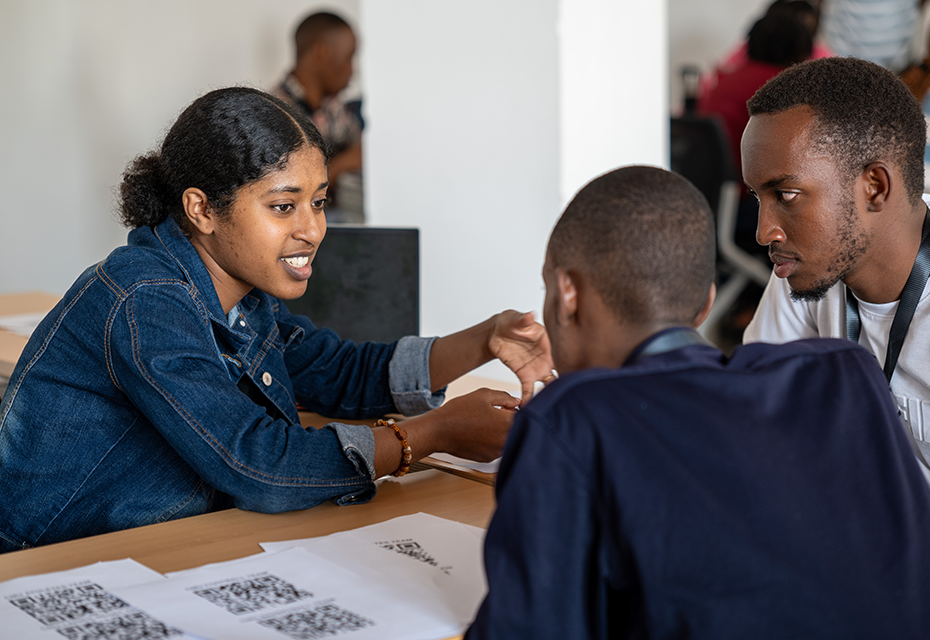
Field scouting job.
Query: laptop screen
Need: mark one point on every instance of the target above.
(365, 284)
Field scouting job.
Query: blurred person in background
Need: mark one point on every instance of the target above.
(807, 12)
(325, 45)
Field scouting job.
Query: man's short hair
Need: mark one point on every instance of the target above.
(863, 114)
(645, 239)
(314, 28)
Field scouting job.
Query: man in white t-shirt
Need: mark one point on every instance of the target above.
(834, 153)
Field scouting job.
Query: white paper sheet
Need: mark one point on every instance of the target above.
(23, 324)
(290, 594)
(80, 603)
(418, 549)
(484, 467)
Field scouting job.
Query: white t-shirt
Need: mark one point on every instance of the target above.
(780, 319)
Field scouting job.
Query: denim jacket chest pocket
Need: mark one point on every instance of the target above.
(258, 355)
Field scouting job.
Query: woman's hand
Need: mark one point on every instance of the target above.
(515, 338)
(522, 344)
(473, 426)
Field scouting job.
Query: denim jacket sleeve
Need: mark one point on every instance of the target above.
(339, 379)
(410, 389)
(161, 353)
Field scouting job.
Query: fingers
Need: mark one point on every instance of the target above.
(478, 424)
(508, 402)
(517, 322)
(528, 387)
(500, 399)
(525, 320)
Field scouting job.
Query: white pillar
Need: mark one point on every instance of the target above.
(613, 89)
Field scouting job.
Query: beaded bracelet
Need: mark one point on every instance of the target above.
(402, 436)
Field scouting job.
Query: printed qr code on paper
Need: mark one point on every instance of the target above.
(69, 603)
(240, 596)
(411, 548)
(324, 621)
(133, 626)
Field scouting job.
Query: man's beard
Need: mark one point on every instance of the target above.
(852, 243)
(814, 294)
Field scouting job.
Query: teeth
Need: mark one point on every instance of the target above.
(298, 262)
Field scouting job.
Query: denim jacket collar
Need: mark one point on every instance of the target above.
(179, 247)
(189, 261)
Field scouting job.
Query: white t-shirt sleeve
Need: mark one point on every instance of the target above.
(778, 318)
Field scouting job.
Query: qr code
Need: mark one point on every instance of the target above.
(86, 611)
(247, 595)
(323, 621)
(68, 603)
(409, 548)
(133, 626)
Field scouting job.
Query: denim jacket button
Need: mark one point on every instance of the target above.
(266, 379)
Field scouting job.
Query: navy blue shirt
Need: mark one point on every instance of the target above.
(774, 495)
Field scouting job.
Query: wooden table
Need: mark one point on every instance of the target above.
(225, 535)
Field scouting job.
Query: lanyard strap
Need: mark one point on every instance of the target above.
(916, 282)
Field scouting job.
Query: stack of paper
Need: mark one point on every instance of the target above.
(415, 577)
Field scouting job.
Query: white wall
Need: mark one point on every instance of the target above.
(613, 93)
(485, 117)
(463, 142)
(88, 85)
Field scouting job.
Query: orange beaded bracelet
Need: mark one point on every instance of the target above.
(407, 452)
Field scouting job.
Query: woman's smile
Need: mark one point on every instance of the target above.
(271, 233)
(298, 266)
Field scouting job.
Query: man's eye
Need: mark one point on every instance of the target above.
(787, 196)
(282, 208)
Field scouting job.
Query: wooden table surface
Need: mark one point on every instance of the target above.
(225, 535)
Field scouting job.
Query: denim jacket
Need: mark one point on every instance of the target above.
(136, 401)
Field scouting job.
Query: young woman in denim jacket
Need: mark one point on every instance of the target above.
(165, 382)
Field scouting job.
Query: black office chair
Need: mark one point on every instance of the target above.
(699, 152)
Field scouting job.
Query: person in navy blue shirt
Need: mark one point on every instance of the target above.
(659, 489)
